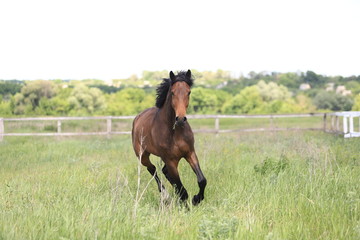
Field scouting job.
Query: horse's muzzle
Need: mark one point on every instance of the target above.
(180, 120)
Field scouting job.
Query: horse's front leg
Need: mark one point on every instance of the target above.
(194, 163)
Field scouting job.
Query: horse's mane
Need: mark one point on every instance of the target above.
(163, 88)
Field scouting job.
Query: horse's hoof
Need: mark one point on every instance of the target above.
(196, 200)
(184, 196)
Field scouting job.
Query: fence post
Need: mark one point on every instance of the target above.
(108, 126)
(324, 122)
(271, 122)
(351, 124)
(217, 125)
(345, 125)
(58, 126)
(332, 123)
(1, 129)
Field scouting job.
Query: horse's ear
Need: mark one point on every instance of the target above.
(188, 74)
(172, 76)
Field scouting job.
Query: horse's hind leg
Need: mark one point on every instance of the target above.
(171, 173)
(166, 173)
(145, 160)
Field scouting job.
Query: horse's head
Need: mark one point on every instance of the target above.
(180, 94)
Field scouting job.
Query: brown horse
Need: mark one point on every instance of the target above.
(164, 132)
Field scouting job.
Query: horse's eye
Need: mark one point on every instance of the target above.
(172, 94)
(189, 93)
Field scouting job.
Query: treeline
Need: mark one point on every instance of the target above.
(214, 92)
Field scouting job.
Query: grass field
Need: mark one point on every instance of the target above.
(284, 185)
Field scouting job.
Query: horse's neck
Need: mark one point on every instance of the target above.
(167, 114)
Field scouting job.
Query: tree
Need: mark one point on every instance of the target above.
(354, 86)
(290, 80)
(129, 101)
(205, 100)
(333, 101)
(86, 100)
(105, 88)
(313, 79)
(304, 104)
(247, 101)
(10, 87)
(31, 93)
(57, 105)
(267, 98)
(271, 91)
(5, 108)
(356, 106)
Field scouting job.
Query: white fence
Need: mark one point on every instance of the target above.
(109, 124)
(348, 123)
(59, 131)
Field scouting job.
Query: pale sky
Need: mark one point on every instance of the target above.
(108, 39)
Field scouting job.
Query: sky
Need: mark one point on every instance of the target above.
(108, 39)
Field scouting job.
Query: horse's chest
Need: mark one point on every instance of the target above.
(175, 149)
(180, 148)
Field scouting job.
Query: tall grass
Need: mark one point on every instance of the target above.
(298, 185)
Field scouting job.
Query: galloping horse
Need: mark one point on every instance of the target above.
(163, 131)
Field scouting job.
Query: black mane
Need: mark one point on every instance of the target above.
(163, 88)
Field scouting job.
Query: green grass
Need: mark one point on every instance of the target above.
(297, 185)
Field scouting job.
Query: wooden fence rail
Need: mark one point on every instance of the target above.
(109, 124)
